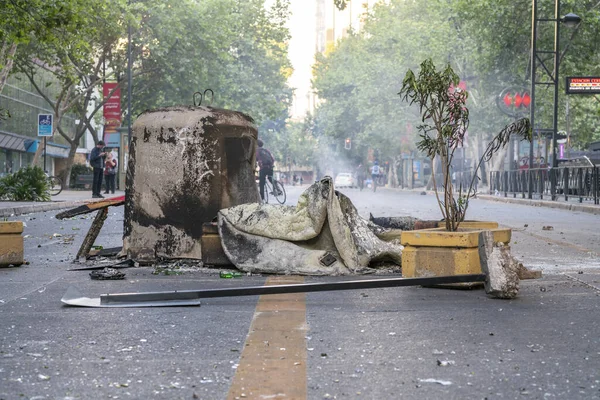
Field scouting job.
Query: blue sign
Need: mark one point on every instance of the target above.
(45, 125)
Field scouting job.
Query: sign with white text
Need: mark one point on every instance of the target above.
(45, 125)
(583, 85)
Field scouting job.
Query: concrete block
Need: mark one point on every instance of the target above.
(11, 243)
(212, 249)
(466, 236)
(439, 261)
(8, 227)
(502, 270)
(185, 164)
(525, 273)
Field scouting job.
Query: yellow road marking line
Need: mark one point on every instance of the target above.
(273, 362)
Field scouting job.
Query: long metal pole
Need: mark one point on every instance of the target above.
(532, 108)
(129, 67)
(45, 169)
(568, 143)
(117, 298)
(553, 173)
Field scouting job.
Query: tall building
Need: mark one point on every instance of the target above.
(18, 133)
(333, 24)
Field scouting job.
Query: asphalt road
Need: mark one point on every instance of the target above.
(411, 343)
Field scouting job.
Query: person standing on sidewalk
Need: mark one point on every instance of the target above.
(110, 170)
(97, 163)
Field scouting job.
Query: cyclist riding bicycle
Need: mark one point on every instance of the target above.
(266, 162)
(375, 171)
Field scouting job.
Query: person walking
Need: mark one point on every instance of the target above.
(266, 162)
(110, 171)
(97, 163)
(360, 176)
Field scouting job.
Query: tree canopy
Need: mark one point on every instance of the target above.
(488, 43)
(236, 48)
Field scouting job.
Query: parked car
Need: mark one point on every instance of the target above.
(345, 179)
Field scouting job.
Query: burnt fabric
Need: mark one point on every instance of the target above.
(322, 235)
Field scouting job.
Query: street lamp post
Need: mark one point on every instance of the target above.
(129, 83)
(538, 56)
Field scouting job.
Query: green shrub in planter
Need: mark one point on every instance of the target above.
(27, 184)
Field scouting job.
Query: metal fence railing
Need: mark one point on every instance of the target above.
(580, 182)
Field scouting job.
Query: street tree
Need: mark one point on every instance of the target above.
(43, 21)
(237, 49)
(487, 43)
(356, 81)
(68, 73)
(174, 56)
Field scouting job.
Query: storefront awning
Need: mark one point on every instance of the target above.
(53, 149)
(11, 141)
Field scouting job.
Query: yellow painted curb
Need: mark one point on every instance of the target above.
(11, 227)
(440, 237)
(11, 243)
(473, 224)
(437, 252)
(439, 261)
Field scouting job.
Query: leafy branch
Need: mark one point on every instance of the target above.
(445, 116)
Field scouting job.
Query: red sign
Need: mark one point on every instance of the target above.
(112, 106)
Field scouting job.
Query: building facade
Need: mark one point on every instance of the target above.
(19, 132)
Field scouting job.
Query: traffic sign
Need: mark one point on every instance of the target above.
(45, 125)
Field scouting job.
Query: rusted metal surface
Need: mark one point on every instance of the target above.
(185, 164)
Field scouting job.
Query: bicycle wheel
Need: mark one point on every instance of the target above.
(279, 192)
(54, 185)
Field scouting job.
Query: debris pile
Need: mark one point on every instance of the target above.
(322, 235)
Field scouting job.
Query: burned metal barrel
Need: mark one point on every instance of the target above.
(185, 164)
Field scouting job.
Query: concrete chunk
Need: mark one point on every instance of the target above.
(501, 268)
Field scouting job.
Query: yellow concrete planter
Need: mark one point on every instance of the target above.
(437, 252)
(11, 243)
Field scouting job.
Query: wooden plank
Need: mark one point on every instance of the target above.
(92, 234)
(91, 207)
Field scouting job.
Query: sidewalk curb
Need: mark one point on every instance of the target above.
(587, 208)
(577, 207)
(41, 207)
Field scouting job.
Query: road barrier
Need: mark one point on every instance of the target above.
(581, 182)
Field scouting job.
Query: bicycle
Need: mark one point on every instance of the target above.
(54, 185)
(275, 189)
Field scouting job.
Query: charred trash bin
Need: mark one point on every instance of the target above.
(185, 164)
